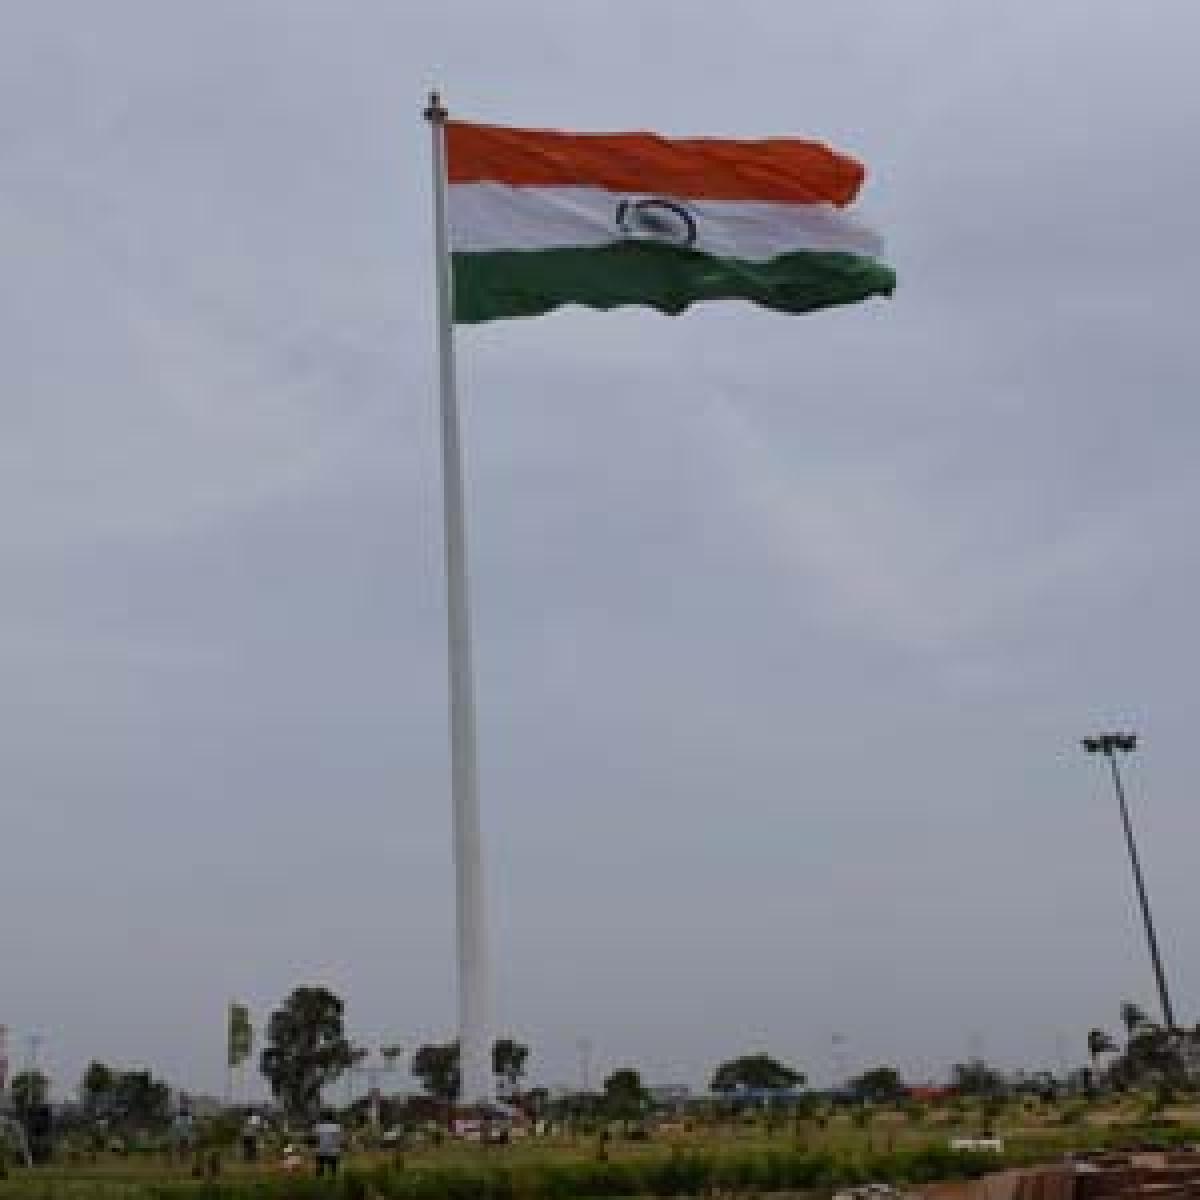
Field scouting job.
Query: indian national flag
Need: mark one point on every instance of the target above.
(538, 219)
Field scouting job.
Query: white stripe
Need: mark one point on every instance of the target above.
(498, 216)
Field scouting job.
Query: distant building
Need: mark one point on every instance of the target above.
(671, 1096)
(748, 1097)
(199, 1106)
(478, 1121)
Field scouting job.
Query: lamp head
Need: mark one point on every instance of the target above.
(1110, 743)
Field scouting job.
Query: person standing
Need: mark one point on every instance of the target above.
(329, 1144)
(183, 1130)
(250, 1132)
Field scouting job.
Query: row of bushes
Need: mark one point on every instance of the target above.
(679, 1174)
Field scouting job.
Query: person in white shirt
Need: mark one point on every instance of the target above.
(182, 1130)
(250, 1133)
(329, 1144)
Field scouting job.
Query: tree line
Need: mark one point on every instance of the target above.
(307, 1050)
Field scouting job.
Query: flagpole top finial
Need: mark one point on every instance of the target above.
(435, 111)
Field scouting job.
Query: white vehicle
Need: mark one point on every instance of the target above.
(990, 1144)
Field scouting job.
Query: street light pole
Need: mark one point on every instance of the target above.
(1109, 744)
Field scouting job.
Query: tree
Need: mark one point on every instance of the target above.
(880, 1085)
(131, 1098)
(29, 1089)
(1098, 1043)
(436, 1066)
(508, 1061)
(1152, 1052)
(976, 1078)
(1133, 1017)
(624, 1095)
(97, 1087)
(307, 1049)
(759, 1071)
(140, 1100)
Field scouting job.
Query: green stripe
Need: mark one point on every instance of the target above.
(524, 283)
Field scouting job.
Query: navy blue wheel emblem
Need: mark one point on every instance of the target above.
(659, 220)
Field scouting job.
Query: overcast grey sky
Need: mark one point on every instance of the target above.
(786, 627)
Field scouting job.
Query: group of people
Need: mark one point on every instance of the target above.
(327, 1143)
(326, 1139)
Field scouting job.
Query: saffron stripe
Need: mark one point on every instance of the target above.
(783, 170)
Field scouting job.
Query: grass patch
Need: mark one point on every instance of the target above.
(698, 1165)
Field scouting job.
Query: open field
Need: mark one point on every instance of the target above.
(739, 1158)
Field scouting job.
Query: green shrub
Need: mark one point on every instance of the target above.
(680, 1173)
(931, 1163)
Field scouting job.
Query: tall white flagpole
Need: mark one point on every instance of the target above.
(473, 1016)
